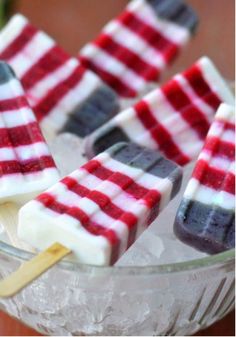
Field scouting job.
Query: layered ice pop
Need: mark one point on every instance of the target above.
(100, 209)
(174, 118)
(134, 49)
(26, 165)
(206, 216)
(63, 94)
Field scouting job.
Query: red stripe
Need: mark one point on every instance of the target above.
(189, 112)
(48, 63)
(73, 186)
(220, 148)
(20, 135)
(124, 182)
(27, 166)
(229, 183)
(160, 134)
(127, 57)
(93, 228)
(196, 79)
(13, 103)
(19, 42)
(213, 177)
(43, 108)
(113, 81)
(154, 38)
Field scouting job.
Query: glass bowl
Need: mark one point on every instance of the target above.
(170, 299)
(150, 291)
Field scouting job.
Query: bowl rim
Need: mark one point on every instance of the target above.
(216, 260)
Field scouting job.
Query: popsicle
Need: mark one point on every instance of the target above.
(26, 165)
(206, 215)
(100, 209)
(135, 48)
(174, 118)
(63, 94)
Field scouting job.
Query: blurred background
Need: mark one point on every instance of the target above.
(73, 23)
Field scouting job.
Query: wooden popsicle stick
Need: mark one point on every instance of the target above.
(32, 269)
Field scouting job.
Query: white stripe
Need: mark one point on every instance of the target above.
(217, 130)
(25, 152)
(206, 109)
(7, 153)
(146, 140)
(226, 112)
(65, 196)
(12, 30)
(89, 180)
(104, 61)
(215, 80)
(132, 126)
(221, 163)
(170, 30)
(78, 174)
(37, 47)
(136, 44)
(225, 200)
(232, 168)
(228, 136)
(208, 196)
(32, 151)
(75, 96)
(11, 89)
(16, 118)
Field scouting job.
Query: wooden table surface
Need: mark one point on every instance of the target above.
(73, 23)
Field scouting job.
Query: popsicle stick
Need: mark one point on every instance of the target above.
(32, 269)
(8, 219)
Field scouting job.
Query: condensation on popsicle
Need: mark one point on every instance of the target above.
(173, 119)
(206, 216)
(135, 48)
(63, 94)
(101, 208)
(26, 165)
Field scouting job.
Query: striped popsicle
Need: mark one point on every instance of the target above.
(135, 48)
(100, 209)
(206, 216)
(174, 118)
(63, 94)
(26, 165)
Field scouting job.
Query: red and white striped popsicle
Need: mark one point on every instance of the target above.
(100, 209)
(26, 165)
(63, 94)
(206, 216)
(174, 118)
(135, 48)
